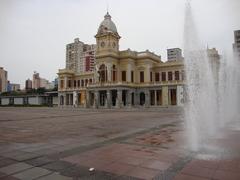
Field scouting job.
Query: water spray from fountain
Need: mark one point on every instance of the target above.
(202, 105)
(212, 88)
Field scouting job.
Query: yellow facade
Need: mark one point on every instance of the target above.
(122, 78)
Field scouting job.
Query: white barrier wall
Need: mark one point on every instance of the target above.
(5, 101)
(33, 101)
(18, 101)
(55, 100)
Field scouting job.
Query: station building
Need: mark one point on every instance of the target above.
(122, 79)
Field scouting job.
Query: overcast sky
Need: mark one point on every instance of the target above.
(34, 33)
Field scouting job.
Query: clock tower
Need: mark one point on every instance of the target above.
(107, 38)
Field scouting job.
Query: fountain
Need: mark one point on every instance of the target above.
(212, 99)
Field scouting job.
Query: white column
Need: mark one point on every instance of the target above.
(155, 97)
(147, 98)
(109, 99)
(128, 73)
(96, 74)
(65, 82)
(119, 99)
(96, 99)
(87, 99)
(109, 72)
(147, 74)
(129, 98)
(180, 96)
(75, 99)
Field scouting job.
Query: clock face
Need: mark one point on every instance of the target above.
(102, 44)
(114, 45)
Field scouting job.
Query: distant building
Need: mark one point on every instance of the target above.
(44, 83)
(13, 87)
(174, 54)
(28, 84)
(214, 61)
(3, 80)
(39, 82)
(36, 81)
(236, 45)
(89, 58)
(80, 57)
(55, 83)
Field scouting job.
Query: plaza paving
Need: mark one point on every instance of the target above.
(62, 144)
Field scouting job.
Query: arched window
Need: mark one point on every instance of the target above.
(142, 98)
(114, 73)
(86, 82)
(103, 73)
(177, 77)
(170, 76)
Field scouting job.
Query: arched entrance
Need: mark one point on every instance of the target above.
(142, 98)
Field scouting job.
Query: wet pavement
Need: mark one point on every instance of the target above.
(62, 144)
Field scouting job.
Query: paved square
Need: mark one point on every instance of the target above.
(62, 144)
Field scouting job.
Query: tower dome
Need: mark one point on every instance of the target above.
(107, 25)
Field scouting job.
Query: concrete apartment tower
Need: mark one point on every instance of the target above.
(174, 54)
(236, 45)
(80, 56)
(28, 84)
(3, 80)
(36, 81)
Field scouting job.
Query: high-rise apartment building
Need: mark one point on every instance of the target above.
(13, 87)
(214, 61)
(236, 45)
(36, 81)
(3, 80)
(39, 82)
(80, 57)
(89, 58)
(44, 83)
(174, 54)
(28, 84)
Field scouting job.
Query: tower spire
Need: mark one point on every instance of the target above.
(107, 7)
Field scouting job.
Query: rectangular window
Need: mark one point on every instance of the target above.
(123, 76)
(151, 76)
(170, 76)
(163, 76)
(62, 83)
(69, 83)
(75, 83)
(142, 76)
(157, 77)
(114, 75)
(78, 83)
(177, 75)
(132, 76)
(82, 83)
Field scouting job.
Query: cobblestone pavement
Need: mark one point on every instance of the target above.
(62, 144)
